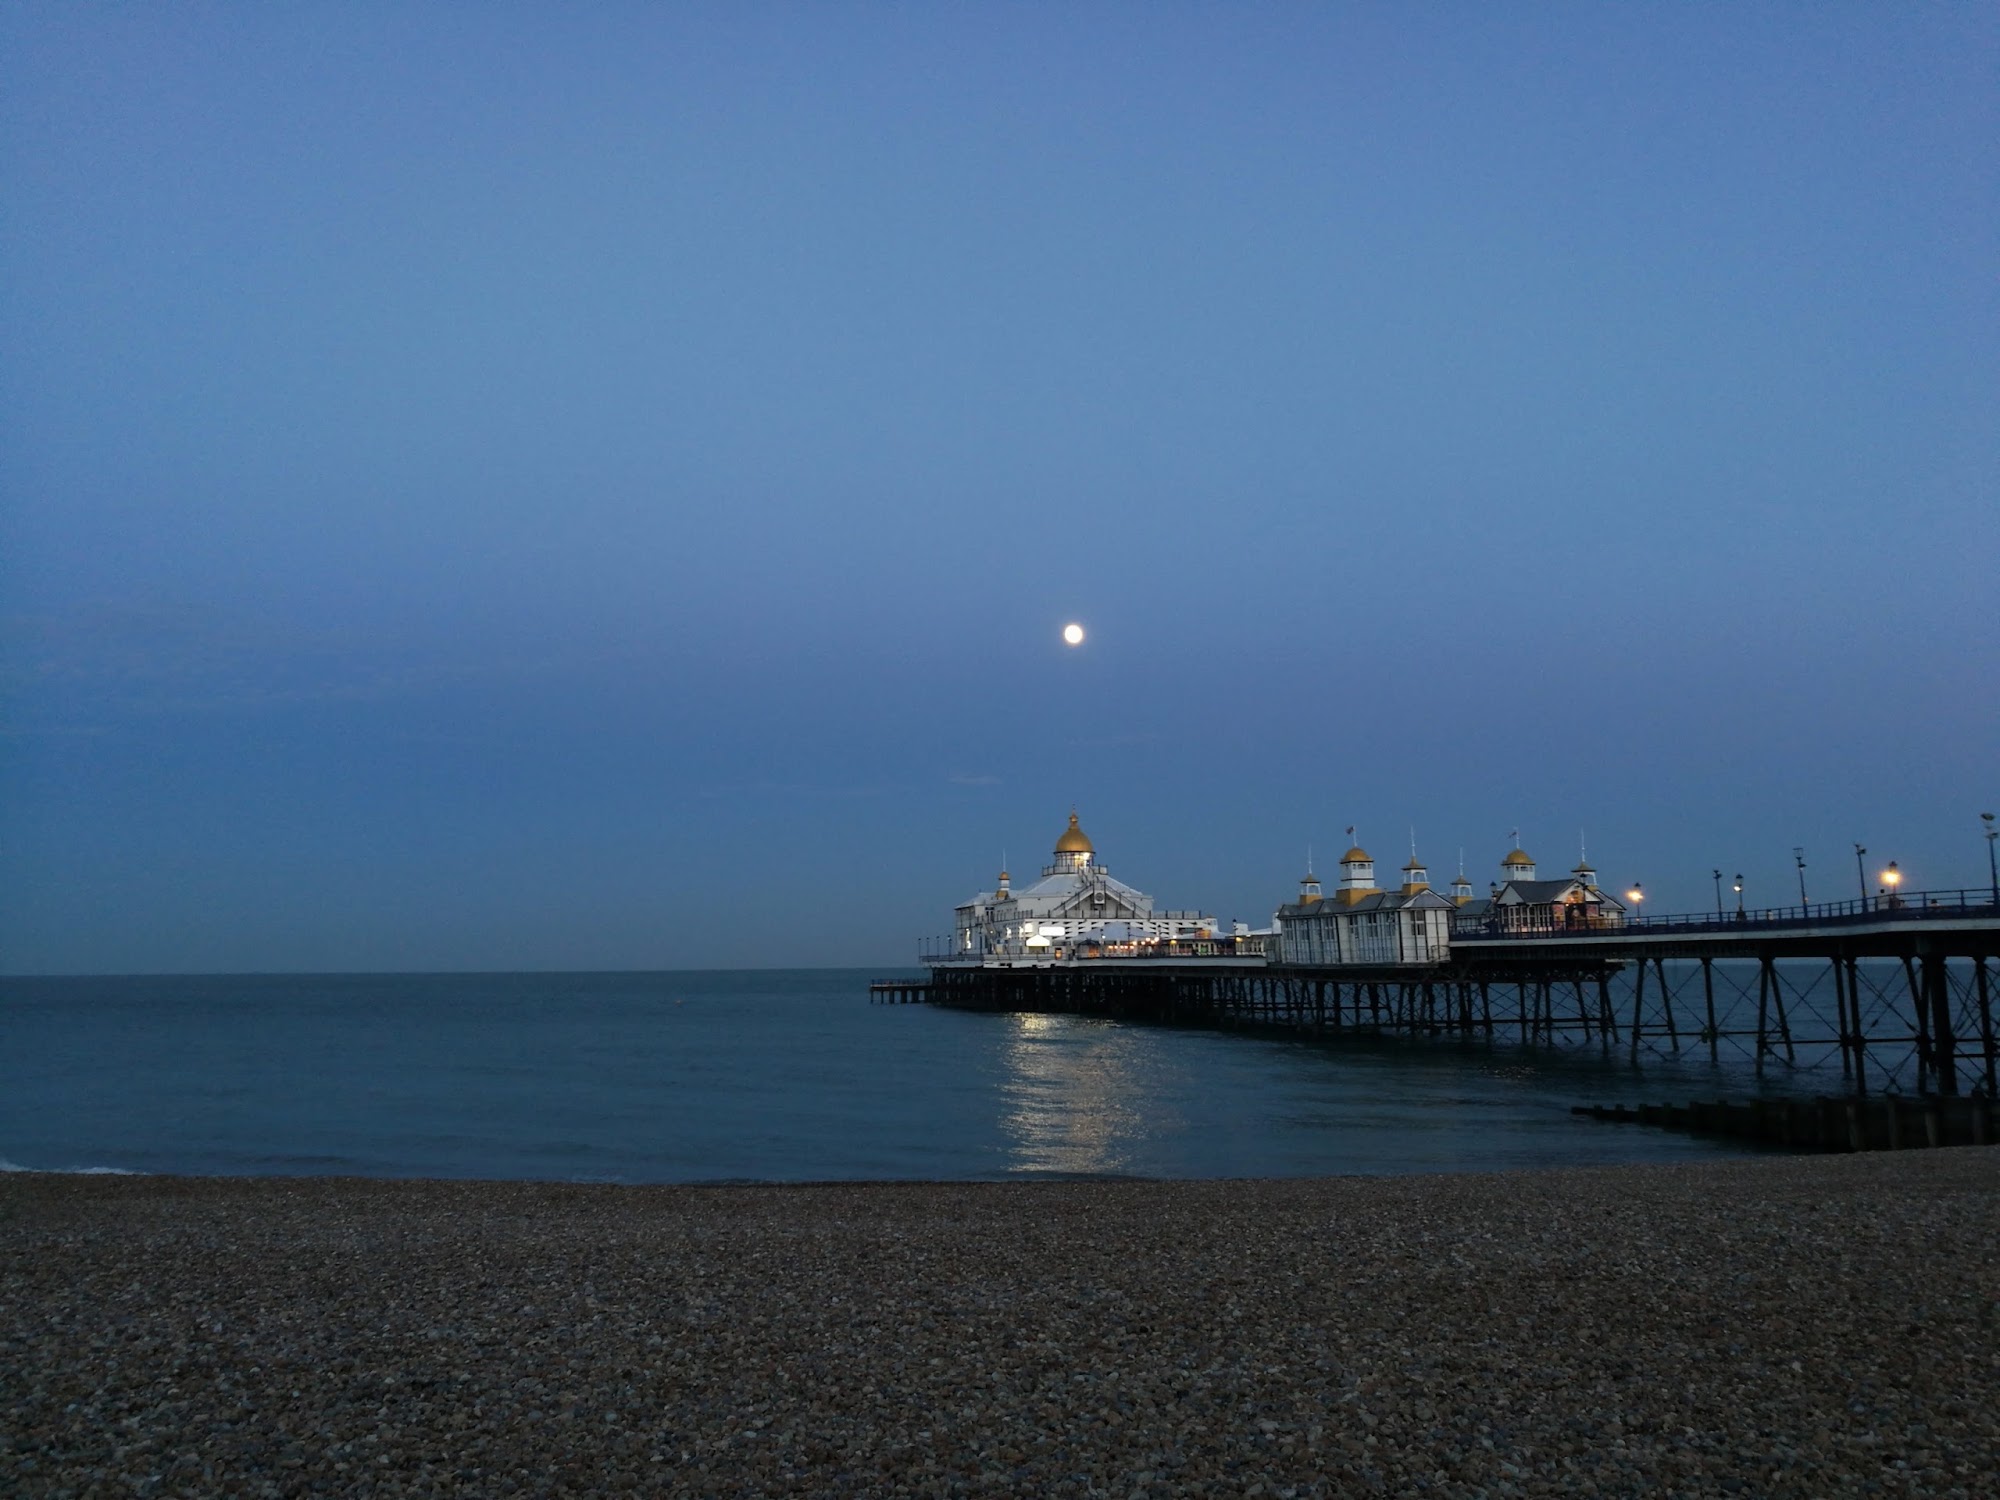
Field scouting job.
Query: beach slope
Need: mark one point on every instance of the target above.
(1771, 1327)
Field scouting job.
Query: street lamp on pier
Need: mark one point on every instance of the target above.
(1738, 888)
(1891, 878)
(1635, 896)
(1861, 873)
(1992, 870)
(1718, 893)
(1800, 856)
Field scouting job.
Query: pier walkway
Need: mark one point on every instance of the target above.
(1897, 992)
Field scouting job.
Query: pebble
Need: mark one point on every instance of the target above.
(1778, 1327)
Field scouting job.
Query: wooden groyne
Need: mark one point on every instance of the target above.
(1887, 1122)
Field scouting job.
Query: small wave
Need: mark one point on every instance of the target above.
(302, 1162)
(13, 1166)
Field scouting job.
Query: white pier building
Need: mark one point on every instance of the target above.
(1076, 904)
(1362, 925)
(1359, 924)
(1521, 903)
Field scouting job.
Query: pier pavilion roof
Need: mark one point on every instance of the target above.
(1543, 892)
(1047, 896)
(1366, 901)
(1538, 890)
(1074, 840)
(1065, 884)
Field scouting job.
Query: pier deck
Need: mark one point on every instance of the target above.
(1899, 996)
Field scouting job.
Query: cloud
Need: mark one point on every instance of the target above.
(736, 790)
(1115, 741)
(154, 657)
(964, 780)
(111, 661)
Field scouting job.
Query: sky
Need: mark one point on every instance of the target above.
(539, 487)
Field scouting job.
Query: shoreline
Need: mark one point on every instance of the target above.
(1780, 1325)
(787, 1184)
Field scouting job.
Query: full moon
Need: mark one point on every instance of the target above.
(1073, 634)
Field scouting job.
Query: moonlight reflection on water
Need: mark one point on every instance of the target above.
(1077, 1095)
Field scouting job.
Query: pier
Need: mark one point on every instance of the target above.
(1897, 993)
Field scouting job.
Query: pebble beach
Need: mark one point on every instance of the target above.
(1797, 1326)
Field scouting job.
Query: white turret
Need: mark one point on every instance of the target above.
(1357, 873)
(1074, 851)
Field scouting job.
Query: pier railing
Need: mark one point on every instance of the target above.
(1896, 991)
(1243, 948)
(1912, 906)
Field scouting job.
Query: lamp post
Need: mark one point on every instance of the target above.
(1992, 870)
(1738, 888)
(1718, 893)
(1891, 878)
(1635, 896)
(1800, 856)
(1861, 874)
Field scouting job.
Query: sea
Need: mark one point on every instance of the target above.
(761, 1076)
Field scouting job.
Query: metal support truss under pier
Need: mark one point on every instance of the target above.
(1897, 1005)
(1901, 996)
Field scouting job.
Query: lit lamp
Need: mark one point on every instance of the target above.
(1635, 896)
(1738, 888)
(1891, 878)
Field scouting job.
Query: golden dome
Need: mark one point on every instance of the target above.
(1074, 840)
(1518, 857)
(1357, 855)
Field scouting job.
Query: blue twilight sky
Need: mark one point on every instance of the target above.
(492, 486)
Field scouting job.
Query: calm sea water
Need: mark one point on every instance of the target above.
(783, 1076)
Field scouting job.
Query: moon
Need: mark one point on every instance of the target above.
(1073, 634)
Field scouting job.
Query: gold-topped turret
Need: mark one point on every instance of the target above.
(1074, 851)
(1357, 874)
